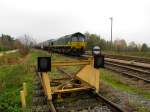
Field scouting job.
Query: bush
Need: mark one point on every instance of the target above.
(24, 50)
(10, 59)
(144, 47)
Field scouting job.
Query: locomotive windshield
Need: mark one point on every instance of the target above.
(81, 39)
(74, 39)
(78, 39)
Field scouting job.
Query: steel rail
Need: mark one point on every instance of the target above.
(49, 104)
(131, 69)
(129, 58)
(110, 104)
(146, 71)
(125, 72)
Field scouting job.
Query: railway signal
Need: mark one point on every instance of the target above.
(44, 64)
(98, 58)
(96, 50)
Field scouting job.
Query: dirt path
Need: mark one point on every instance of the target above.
(8, 52)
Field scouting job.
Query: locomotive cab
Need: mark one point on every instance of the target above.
(77, 42)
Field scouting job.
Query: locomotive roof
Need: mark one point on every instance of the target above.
(78, 34)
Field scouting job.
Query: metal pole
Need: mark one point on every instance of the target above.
(111, 18)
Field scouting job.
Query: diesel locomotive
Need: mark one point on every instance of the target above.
(73, 44)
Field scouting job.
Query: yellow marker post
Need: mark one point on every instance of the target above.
(25, 89)
(97, 80)
(46, 85)
(23, 100)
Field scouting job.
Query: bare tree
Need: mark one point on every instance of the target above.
(132, 46)
(120, 44)
(144, 47)
(27, 42)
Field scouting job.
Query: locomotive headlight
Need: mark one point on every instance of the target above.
(96, 50)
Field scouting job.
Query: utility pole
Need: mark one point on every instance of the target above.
(111, 19)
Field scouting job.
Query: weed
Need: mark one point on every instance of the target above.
(11, 79)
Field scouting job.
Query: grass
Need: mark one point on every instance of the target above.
(3, 49)
(12, 58)
(11, 79)
(60, 57)
(113, 79)
(68, 69)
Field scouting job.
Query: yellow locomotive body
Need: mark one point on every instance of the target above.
(77, 45)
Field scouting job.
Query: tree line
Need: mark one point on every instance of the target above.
(116, 45)
(8, 43)
(23, 43)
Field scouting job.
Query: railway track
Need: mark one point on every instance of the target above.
(137, 70)
(83, 101)
(95, 103)
(129, 71)
(129, 58)
(39, 101)
(86, 101)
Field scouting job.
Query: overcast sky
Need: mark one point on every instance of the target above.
(46, 19)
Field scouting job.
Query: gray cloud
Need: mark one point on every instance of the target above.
(52, 19)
